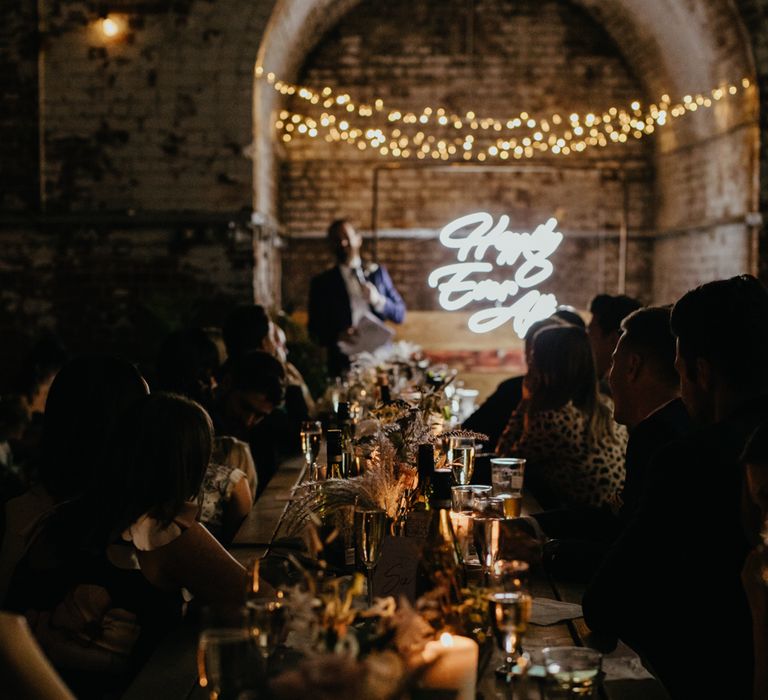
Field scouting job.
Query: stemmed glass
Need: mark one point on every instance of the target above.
(225, 653)
(370, 525)
(311, 437)
(510, 612)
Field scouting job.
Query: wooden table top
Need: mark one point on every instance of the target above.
(171, 672)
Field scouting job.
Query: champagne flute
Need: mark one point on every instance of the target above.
(510, 612)
(311, 436)
(370, 525)
(463, 464)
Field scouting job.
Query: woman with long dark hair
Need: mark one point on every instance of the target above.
(103, 581)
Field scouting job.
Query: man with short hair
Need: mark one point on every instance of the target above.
(645, 387)
(646, 391)
(252, 389)
(604, 328)
(343, 294)
(247, 328)
(670, 586)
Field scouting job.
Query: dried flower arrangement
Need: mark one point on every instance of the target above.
(347, 650)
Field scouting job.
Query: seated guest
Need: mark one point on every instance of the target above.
(604, 329)
(250, 328)
(13, 423)
(252, 388)
(564, 429)
(645, 387)
(187, 364)
(35, 376)
(225, 499)
(293, 378)
(680, 554)
(646, 394)
(754, 575)
(83, 405)
(237, 455)
(38, 371)
(493, 414)
(102, 580)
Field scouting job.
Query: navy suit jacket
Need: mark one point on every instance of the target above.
(330, 311)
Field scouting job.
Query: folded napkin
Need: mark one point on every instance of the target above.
(547, 611)
(623, 664)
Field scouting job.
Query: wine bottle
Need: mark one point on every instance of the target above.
(426, 468)
(385, 394)
(335, 454)
(347, 428)
(440, 563)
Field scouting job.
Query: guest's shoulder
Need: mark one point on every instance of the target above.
(148, 533)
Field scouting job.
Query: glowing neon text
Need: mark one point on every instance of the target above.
(472, 236)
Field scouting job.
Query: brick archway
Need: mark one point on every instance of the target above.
(706, 166)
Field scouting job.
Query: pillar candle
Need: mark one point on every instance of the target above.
(453, 665)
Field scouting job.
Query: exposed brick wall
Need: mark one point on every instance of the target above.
(163, 121)
(19, 156)
(518, 55)
(108, 287)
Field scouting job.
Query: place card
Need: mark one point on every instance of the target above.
(395, 573)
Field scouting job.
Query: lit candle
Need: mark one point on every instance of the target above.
(453, 665)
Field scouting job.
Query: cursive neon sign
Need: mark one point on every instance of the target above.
(465, 282)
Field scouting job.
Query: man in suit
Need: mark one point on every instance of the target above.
(670, 585)
(342, 295)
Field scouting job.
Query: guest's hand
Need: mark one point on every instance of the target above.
(292, 375)
(348, 335)
(373, 296)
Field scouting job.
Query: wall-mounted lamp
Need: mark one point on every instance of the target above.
(111, 27)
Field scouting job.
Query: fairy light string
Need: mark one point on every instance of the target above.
(440, 134)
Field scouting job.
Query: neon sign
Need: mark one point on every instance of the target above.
(466, 281)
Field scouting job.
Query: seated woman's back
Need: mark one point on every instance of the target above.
(564, 428)
(104, 577)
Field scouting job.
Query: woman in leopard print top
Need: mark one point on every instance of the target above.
(564, 428)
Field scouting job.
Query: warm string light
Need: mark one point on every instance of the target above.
(463, 137)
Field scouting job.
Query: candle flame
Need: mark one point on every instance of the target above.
(446, 639)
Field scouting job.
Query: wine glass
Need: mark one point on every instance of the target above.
(510, 612)
(370, 525)
(267, 625)
(311, 436)
(225, 653)
(509, 575)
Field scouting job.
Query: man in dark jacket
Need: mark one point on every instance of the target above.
(343, 294)
(670, 586)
